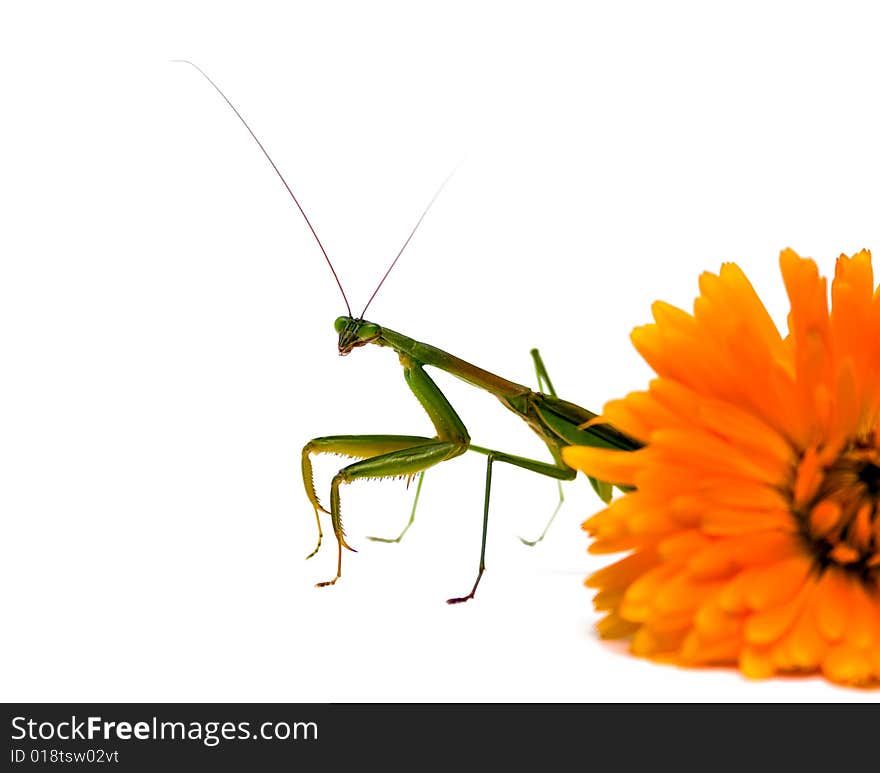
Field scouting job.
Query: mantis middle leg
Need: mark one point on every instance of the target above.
(559, 471)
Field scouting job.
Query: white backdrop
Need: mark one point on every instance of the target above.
(166, 338)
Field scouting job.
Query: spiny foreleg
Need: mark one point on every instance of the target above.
(354, 446)
(407, 461)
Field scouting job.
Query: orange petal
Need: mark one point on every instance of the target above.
(713, 622)
(695, 651)
(768, 626)
(777, 582)
(833, 604)
(756, 663)
(621, 573)
(612, 466)
(806, 645)
(847, 664)
(864, 618)
(607, 599)
(640, 596)
(613, 626)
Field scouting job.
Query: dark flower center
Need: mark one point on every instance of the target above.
(870, 476)
(842, 522)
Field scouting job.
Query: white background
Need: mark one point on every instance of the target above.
(166, 338)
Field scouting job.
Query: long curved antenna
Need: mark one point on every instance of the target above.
(277, 171)
(412, 233)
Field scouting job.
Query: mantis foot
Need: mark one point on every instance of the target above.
(462, 599)
(387, 540)
(532, 542)
(317, 547)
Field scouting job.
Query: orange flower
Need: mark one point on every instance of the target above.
(754, 523)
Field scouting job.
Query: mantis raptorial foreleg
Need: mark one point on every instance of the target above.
(402, 463)
(387, 456)
(412, 455)
(356, 446)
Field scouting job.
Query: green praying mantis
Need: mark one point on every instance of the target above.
(558, 423)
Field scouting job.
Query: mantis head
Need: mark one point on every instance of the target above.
(354, 333)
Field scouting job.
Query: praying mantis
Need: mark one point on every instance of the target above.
(557, 422)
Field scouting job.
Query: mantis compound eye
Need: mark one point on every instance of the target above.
(368, 330)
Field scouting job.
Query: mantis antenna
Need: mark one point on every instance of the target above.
(280, 176)
(302, 211)
(412, 233)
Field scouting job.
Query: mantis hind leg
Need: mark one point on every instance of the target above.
(560, 472)
(544, 385)
(541, 373)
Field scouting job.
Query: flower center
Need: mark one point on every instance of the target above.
(841, 522)
(870, 476)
